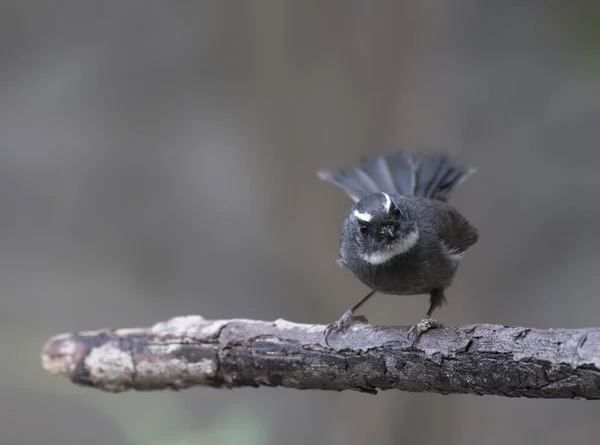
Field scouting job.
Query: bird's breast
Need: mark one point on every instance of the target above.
(409, 274)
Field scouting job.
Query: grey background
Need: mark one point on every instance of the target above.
(158, 159)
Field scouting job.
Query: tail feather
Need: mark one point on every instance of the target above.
(404, 170)
(379, 169)
(429, 176)
(356, 183)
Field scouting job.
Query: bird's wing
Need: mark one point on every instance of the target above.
(457, 234)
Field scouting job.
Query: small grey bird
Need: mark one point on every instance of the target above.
(401, 237)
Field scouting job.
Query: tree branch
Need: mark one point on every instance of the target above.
(192, 351)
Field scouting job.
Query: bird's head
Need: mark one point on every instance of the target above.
(381, 228)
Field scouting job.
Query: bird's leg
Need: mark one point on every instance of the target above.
(347, 318)
(436, 299)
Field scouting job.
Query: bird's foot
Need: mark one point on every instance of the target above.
(423, 326)
(342, 324)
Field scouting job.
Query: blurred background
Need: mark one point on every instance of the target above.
(158, 159)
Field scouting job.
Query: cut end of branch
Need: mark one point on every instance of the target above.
(57, 353)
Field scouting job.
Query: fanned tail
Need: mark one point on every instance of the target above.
(430, 176)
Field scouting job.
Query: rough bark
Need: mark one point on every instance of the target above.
(192, 351)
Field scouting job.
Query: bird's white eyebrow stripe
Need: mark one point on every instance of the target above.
(388, 202)
(363, 216)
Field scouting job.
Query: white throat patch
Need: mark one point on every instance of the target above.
(402, 246)
(363, 216)
(388, 202)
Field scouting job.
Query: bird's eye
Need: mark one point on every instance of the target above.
(395, 212)
(362, 228)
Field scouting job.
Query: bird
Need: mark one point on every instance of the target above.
(401, 236)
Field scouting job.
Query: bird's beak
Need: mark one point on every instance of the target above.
(389, 231)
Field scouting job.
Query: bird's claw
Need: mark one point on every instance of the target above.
(423, 326)
(342, 324)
